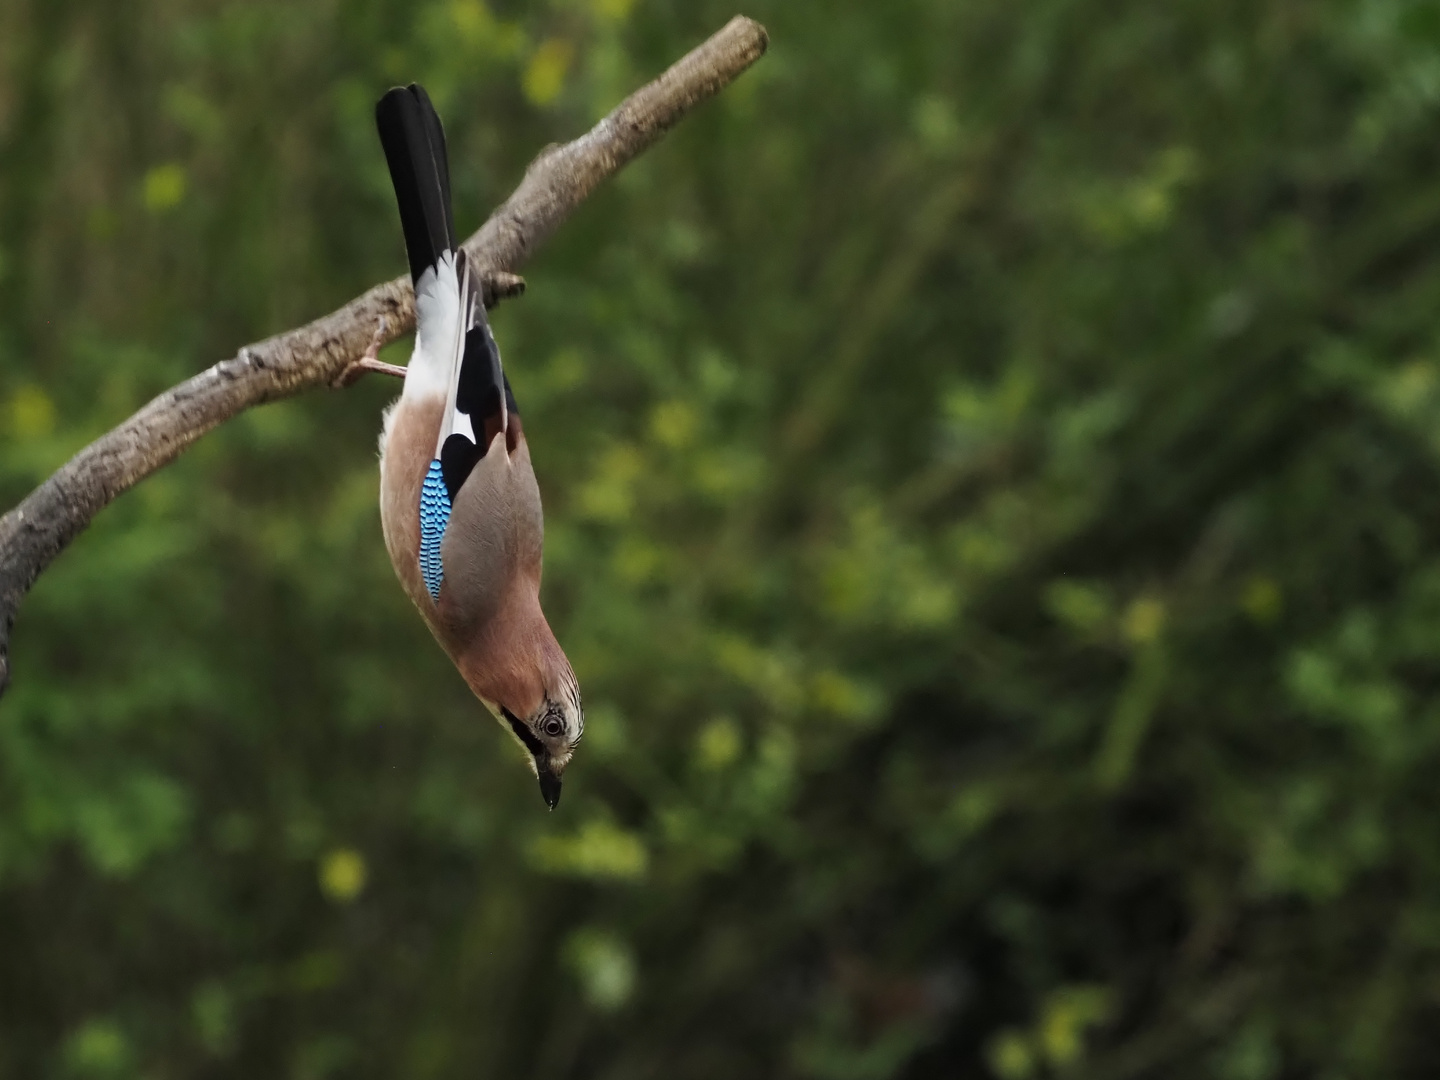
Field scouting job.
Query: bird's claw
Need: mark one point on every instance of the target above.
(497, 285)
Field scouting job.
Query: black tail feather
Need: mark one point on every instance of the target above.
(414, 145)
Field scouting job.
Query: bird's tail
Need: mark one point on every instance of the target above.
(414, 145)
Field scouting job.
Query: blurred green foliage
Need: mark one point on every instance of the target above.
(990, 461)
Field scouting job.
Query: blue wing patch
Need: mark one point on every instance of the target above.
(434, 517)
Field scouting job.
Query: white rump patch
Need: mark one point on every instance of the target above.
(437, 323)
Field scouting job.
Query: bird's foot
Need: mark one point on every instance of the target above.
(497, 285)
(369, 361)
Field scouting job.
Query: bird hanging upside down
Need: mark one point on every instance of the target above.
(458, 499)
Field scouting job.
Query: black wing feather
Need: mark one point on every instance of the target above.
(458, 456)
(480, 392)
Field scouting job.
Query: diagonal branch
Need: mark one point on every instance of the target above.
(37, 530)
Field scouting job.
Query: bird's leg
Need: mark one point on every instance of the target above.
(369, 361)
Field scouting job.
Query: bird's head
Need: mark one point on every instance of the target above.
(531, 689)
(549, 735)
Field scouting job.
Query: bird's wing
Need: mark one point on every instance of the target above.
(455, 353)
(494, 541)
(475, 397)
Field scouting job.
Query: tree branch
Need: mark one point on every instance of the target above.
(37, 530)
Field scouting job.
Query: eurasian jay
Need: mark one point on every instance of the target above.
(458, 499)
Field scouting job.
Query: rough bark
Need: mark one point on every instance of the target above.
(317, 355)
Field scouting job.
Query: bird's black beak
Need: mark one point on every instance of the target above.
(549, 785)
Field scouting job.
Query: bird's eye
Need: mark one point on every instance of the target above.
(553, 727)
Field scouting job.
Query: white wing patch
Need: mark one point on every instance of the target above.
(460, 425)
(456, 422)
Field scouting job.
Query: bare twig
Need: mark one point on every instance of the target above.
(37, 530)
